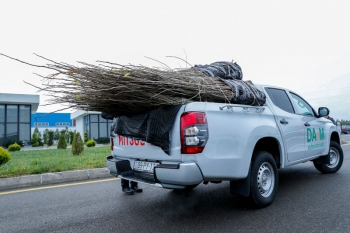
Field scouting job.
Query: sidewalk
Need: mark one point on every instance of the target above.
(53, 178)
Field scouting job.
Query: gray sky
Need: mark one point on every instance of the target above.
(300, 45)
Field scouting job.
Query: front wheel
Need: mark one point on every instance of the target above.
(263, 179)
(336, 159)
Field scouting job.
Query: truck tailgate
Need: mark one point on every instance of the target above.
(129, 148)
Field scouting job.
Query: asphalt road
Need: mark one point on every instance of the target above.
(307, 201)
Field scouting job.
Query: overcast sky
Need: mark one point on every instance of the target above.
(300, 45)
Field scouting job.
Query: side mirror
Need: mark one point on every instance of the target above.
(323, 111)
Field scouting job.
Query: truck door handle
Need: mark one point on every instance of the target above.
(307, 124)
(283, 121)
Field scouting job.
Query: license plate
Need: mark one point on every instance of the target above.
(144, 166)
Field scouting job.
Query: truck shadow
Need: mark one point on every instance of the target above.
(302, 190)
(297, 181)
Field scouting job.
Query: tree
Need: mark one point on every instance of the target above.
(35, 140)
(50, 138)
(71, 137)
(38, 133)
(46, 136)
(62, 144)
(78, 144)
(56, 135)
(67, 135)
(86, 137)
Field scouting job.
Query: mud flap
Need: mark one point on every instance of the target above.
(241, 187)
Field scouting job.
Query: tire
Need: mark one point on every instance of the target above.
(263, 179)
(337, 157)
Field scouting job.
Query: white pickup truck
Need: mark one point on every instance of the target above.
(245, 145)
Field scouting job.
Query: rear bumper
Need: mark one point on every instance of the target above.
(175, 176)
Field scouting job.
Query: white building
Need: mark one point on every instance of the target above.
(92, 122)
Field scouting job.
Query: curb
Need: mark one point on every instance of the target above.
(53, 178)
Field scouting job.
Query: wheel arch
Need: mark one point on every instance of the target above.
(271, 145)
(335, 137)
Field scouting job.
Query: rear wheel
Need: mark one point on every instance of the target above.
(263, 179)
(336, 159)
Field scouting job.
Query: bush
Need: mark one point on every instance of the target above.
(78, 144)
(102, 140)
(86, 137)
(35, 140)
(10, 142)
(45, 136)
(56, 135)
(62, 144)
(71, 137)
(38, 133)
(14, 147)
(40, 141)
(90, 143)
(4, 156)
(50, 139)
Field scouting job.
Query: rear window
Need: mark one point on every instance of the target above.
(280, 99)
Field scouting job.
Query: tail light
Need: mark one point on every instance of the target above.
(194, 132)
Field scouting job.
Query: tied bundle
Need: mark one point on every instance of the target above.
(131, 89)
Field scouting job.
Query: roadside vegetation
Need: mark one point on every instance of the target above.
(53, 160)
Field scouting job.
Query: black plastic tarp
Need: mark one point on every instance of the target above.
(152, 127)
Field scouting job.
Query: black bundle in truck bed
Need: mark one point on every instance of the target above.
(152, 126)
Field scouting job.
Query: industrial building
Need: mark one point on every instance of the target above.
(15, 117)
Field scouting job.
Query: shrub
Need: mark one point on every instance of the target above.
(35, 140)
(90, 143)
(78, 144)
(56, 135)
(66, 135)
(40, 141)
(103, 140)
(62, 144)
(14, 147)
(86, 137)
(71, 137)
(46, 136)
(50, 138)
(38, 133)
(35, 144)
(4, 156)
(10, 142)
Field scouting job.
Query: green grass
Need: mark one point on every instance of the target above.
(53, 160)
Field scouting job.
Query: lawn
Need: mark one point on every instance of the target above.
(53, 160)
